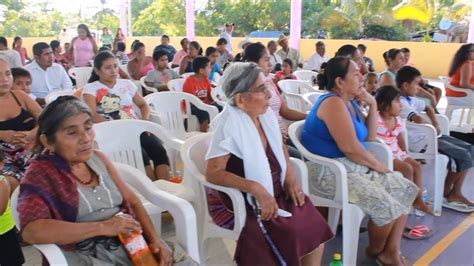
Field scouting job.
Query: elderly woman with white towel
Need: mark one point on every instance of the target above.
(247, 153)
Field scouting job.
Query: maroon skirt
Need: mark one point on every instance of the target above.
(294, 237)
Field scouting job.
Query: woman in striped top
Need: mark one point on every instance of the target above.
(389, 129)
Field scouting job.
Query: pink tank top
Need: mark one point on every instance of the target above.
(83, 52)
(146, 68)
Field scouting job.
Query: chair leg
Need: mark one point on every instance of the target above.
(462, 117)
(470, 114)
(350, 234)
(333, 219)
(440, 173)
(449, 111)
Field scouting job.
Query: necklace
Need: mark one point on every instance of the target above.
(88, 182)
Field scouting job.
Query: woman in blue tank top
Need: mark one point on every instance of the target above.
(336, 129)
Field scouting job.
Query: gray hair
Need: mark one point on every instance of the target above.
(238, 78)
(54, 115)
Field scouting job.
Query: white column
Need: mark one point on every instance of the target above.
(190, 19)
(295, 23)
(470, 36)
(123, 17)
(130, 31)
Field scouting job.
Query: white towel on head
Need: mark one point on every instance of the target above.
(235, 133)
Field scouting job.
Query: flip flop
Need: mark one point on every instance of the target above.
(457, 206)
(402, 258)
(420, 227)
(416, 234)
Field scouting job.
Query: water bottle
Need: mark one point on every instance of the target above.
(424, 197)
(336, 260)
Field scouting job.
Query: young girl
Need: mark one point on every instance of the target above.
(370, 83)
(389, 129)
(286, 71)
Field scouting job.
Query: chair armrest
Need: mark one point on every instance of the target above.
(301, 172)
(430, 133)
(181, 210)
(443, 123)
(382, 153)
(212, 110)
(155, 117)
(237, 198)
(52, 253)
(172, 141)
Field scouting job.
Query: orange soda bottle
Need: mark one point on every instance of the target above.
(137, 249)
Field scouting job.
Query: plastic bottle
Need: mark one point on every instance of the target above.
(424, 197)
(336, 260)
(137, 249)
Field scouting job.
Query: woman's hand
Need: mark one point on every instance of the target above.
(18, 138)
(122, 223)
(161, 253)
(267, 202)
(365, 96)
(381, 168)
(294, 191)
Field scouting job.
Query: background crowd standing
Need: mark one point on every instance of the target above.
(70, 193)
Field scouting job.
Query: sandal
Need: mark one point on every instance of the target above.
(418, 234)
(420, 227)
(403, 259)
(457, 206)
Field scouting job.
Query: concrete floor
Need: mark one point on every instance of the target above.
(458, 253)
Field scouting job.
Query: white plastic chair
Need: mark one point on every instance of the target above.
(124, 69)
(176, 69)
(218, 96)
(193, 154)
(187, 75)
(168, 112)
(439, 161)
(81, 75)
(124, 147)
(293, 91)
(55, 94)
(466, 102)
(311, 97)
(306, 75)
(148, 88)
(352, 215)
(176, 84)
(182, 212)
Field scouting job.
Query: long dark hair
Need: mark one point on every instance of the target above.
(385, 96)
(86, 29)
(461, 56)
(98, 61)
(253, 52)
(391, 55)
(197, 46)
(337, 67)
(15, 40)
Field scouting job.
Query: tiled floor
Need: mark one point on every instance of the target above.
(458, 253)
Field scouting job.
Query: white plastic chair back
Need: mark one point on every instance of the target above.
(125, 69)
(168, 104)
(176, 84)
(466, 102)
(311, 97)
(219, 96)
(120, 140)
(176, 69)
(305, 75)
(81, 75)
(293, 91)
(148, 88)
(187, 75)
(51, 252)
(55, 94)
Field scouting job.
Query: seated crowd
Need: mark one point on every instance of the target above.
(70, 193)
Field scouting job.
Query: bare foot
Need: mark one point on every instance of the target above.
(461, 198)
(423, 206)
(390, 259)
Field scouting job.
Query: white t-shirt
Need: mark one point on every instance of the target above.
(412, 106)
(315, 62)
(275, 59)
(228, 37)
(113, 103)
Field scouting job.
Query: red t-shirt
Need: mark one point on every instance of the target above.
(200, 88)
(456, 78)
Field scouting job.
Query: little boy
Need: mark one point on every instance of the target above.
(200, 86)
(121, 54)
(224, 55)
(459, 152)
(213, 54)
(22, 81)
(159, 77)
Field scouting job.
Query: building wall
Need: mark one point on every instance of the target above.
(433, 59)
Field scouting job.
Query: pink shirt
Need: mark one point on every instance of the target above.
(178, 56)
(146, 69)
(83, 52)
(275, 103)
(390, 137)
(23, 54)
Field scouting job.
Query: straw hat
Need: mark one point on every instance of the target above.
(282, 38)
(242, 44)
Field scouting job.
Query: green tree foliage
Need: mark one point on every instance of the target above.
(106, 18)
(160, 17)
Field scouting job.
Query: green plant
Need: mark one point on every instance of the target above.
(390, 33)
